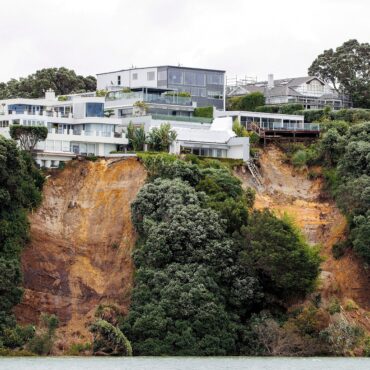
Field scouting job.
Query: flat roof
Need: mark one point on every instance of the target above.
(133, 69)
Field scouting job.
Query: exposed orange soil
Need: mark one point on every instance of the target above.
(289, 191)
(81, 243)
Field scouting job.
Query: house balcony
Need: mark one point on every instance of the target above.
(129, 98)
(87, 136)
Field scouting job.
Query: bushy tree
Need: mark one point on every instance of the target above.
(20, 184)
(136, 137)
(109, 340)
(348, 70)
(62, 80)
(160, 139)
(194, 289)
(239, 130)
(285, 264)
(185, 252)
(360, 236)
(28, 136)
(251, 101)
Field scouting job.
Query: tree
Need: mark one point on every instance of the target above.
(286, 265)
(28, 136)
(251, 101)
(347, 69)
(136, 137)
(360, 236)
(190, 287)
(109, 340)
(20, 184)
(160, 139)
(239, 130)
(62, 80)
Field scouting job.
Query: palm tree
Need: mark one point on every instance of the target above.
(161, 138)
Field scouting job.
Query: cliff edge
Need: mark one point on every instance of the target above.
(80, 246)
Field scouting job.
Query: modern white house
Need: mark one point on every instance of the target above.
(76, 126)
(205, 86)
(196, 135)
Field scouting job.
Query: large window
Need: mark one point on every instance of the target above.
(150, 76)
(175, 76)
(214, 78)
(162, 75)
(94, 110)
(194, 78)
(134, 76)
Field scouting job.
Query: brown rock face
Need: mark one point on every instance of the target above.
(81, 242)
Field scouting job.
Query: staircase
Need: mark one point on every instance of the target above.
(252, 126)
(256, 176)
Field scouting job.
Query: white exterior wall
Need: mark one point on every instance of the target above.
(106, 80)
(238, 148)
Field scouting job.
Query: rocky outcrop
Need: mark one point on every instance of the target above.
(81, 242)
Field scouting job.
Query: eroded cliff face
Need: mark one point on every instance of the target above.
(81, 242)
(291, 192)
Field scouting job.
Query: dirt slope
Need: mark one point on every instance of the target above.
(81, 242)
(288, 191)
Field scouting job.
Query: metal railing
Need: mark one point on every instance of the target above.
(150, 98)
(290, 126)
(165, 117)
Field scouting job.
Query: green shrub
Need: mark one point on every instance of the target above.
(205, 112)
(76, 349)
(109, 339)
(42, 343)
(300, 158)
(115, 245)
(334, 306)
(92, 158)
(338, 249)
(251, 101)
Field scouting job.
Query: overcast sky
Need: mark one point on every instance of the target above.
(241, 36)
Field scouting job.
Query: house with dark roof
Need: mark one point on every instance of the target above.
(310, 91)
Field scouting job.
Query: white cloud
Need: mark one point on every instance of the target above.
(244, 37)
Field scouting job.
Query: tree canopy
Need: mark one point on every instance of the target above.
(194, 289)
(20, 184)
(347, 69)
(62, 80)
(160, 138)
(28, 136)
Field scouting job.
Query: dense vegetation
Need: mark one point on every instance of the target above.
(205, 263)
(206, 112)
(348, 70)
(247, 102)
(20, 184)
(28, 136)
(61, 80)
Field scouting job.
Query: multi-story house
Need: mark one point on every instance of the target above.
(76, 126)
(206, 86)
(312, 92)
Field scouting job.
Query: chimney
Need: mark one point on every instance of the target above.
(50, 94)
(270, 81)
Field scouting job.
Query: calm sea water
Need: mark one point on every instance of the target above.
(182, 363)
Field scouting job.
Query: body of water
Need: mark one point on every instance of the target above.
(182, 363)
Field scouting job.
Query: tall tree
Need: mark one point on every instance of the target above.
(347, 69)
(61, 80)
